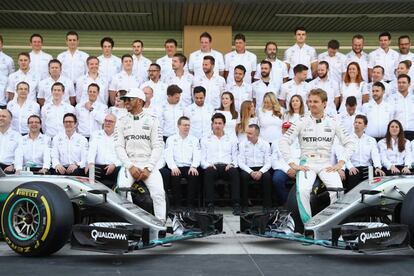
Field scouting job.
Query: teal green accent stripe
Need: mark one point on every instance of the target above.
(302, 211)
(3, 196)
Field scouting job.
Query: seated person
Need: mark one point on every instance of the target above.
(254, 162)
(69, 149)
(395, 150)
(102, 154)
(219, 160)
(9, 141)
(366, 154)
(34, 149)
(183, 155)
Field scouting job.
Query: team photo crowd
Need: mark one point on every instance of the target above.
(180, 124)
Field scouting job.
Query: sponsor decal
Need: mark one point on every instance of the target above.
(137, 137)
(27, 192)
(363, 237)
(95, 234)
(317, 139)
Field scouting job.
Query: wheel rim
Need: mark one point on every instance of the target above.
(24, 219)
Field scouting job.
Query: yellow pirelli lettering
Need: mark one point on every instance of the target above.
(4, 207)
(48, 217)
(27, 192)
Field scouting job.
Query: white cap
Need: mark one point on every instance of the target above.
(135, 93)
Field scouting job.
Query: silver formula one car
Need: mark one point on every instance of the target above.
(377, 215)
(39, 214)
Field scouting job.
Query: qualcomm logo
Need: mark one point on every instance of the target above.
(95, 234)
(363, 237)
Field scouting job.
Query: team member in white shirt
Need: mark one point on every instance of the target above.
(270, 119)
(378, 76)
(44, 94)
(23, 74)
(183, 156)
(92, 76)
(180, 77)
(211, 81)
(52, 112)
(347, 117)
(219, 160)
(353, 85)
(324, 81)
(166, 61)
(199, 113)
(404, 67)
(378, 112)
(69, 149)
(404, 45)
(384, 56)
(148, 106)
(159, 88)
(3, 95)
(6, 62)
(254, 161)
(228, 109)
(403, 102)
(196, 59)
(279, 72)
(170, 112)
(366, 154)
(34, 149)
(124, 80)
(21, 108)
(241, 90)
(38, 59)
(102, 153)
(264, 84)
(395, 150)
(141, 63)
(118, 109)
(301, 53)
(109, 64)
(359, 56)
(73, 60)
(91, 113)
(296, 86)
(9, 141)
(335, 59)
(240, 56)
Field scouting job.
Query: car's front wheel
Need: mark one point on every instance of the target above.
(407, 215)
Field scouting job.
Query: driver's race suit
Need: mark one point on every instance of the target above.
(138, 142)
(316, 138)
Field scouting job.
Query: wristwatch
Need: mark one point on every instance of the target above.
(148, 169)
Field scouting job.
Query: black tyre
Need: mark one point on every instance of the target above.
(292, 207)
(37, 219)
(407, 215)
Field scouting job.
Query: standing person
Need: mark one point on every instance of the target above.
(347, 117)
(183, 157)
(180, 77)
(378, 76)
(279, 73)
(44, 94)
(301, 53)
(196, 59)
(228, 109)
(240, 56)
(296, 86)
(264, 84)
(366, 154)
(296, 109)
(241, 90)
(395, 150)
(38, 59)
(270, 119)
(316, 133)
(21, 108)
(353, 85)
(3, 94)
(9, 141)
(139, 146)
(359, 56)
(141, 63)
(170, 111)
(384, 56)
(109, 64)
(404, 45)
(255, 161)
(73, 60)
(219, 161)
(159, 88)
(166, 61)
(6, 62)
(335, 60)
(34, 149)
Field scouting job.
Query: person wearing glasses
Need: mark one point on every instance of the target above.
(69, 149)
(159, 88)
(102, 154)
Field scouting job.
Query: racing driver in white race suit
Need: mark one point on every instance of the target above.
(139, 146)
(316, 133)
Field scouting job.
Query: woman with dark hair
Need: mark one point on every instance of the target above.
(353, 85)
(228, 109)
(296, 109)
(395, 150)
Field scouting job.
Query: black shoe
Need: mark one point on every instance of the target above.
(210, 208)
(244, 210)
(236, 209)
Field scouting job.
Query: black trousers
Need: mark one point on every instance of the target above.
(353, 180)
(409, 135)
(193, 187)
(165, 174)
(77, 172)
(232, 175)
(388, 172)
(265, 181)
(108, 180)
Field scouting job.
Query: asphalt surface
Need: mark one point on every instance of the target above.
(228, 253)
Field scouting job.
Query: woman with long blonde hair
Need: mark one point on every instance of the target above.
(247, 117)
(270, 118)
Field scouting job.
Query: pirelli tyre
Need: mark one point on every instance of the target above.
(407, 214)
(37, 219)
